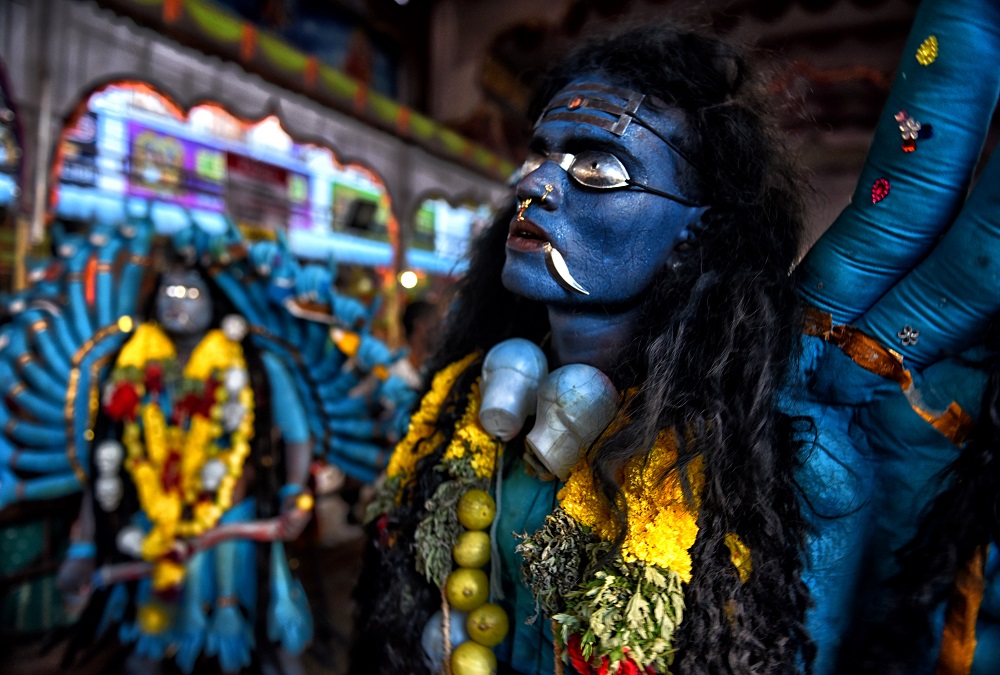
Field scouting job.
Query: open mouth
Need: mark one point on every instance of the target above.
(526, 236)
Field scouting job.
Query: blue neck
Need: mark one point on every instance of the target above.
(595, 338)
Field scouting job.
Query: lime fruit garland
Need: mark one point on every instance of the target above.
(468, 587)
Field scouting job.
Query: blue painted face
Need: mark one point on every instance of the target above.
(614, 240)
(183, 304)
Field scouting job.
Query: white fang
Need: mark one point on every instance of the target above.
(558, 265)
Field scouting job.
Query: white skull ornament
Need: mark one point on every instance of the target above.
(575, 403)
(129, 541)
(108, 492)
(108, 456)
(511, 373)
(212, 473)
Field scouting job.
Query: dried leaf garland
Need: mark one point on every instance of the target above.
(555, 559)
(436, 534)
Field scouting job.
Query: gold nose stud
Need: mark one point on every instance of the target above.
(548, 189)
(521, 207)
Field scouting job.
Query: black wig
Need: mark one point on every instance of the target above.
(715, 338)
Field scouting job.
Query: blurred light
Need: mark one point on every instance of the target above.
(408, 279)
(402, 2)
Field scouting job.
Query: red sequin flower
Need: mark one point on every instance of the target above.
(880, 189)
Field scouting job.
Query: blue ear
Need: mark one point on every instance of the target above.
(688, 237)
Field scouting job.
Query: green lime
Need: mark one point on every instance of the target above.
(467, 589)
(472, 549)
(487, 625)
(476, 509)
(471, 658)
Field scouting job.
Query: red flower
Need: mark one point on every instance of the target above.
(628, 667)
(576, 655)
(123, 402)
(193, 404)
(153, 378)
(170, 474)
(603, 670)
(650, 671)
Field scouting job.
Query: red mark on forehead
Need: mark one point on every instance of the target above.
(575, 103)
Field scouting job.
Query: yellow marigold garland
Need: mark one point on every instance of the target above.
(471, 438)
(422, 424)
(661, 525)
(148, 343)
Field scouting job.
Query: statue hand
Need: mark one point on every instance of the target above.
(293, 518)
(902, 284)
(73, 580)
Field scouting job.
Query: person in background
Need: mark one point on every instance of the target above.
(421, 327)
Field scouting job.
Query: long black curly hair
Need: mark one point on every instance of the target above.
(715, 337)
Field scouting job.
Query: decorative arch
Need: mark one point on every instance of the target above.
(139, 142)
(443, 229)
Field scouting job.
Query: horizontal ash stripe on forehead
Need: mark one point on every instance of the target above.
(587, 96)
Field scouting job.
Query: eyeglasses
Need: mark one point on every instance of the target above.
(594, 169)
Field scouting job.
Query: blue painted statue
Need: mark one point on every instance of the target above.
(191, 428)
(775, 430)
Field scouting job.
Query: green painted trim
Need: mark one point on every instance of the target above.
(422, 127)
(452, 141)
(217, 23)
(280, 53)
(482, 157)
(339, 84)
(385, 109)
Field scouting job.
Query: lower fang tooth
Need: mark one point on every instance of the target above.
(557, 265)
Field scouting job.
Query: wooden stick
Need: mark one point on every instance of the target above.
(557, 648)
(445, 632)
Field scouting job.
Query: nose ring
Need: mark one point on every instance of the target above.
(521, 207)
(548, 189)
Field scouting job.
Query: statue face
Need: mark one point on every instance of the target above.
(614, 241)
(183, 305)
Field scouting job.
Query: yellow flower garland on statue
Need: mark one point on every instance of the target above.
(410, 450)
(151, 444)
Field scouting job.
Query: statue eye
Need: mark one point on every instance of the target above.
(599, 170)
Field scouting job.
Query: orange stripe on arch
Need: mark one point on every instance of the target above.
(90, 280)
(312, 72)
(172, 10)
(248, 42)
